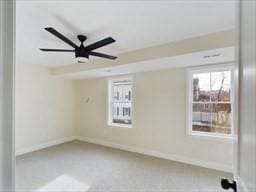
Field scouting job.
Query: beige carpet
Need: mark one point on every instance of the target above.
(79, 166)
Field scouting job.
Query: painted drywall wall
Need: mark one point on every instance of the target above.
(159, 115)
(50, 108)
(45, 107)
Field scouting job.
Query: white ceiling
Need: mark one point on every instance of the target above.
(134, 24)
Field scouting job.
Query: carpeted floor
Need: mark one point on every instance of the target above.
(79, 166)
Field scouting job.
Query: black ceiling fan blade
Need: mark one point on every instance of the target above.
(57, 50)
(100, 43)
(102, 55)
(60, 36)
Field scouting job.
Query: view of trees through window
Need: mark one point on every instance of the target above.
(121, 102)
(211, 105)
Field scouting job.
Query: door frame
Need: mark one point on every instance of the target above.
(241, 18)
(236, 79)
(7, 61)
(7, 64)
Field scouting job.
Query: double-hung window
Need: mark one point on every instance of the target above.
(120, 102)
(210, 108)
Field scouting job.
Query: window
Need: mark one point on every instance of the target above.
(210, 102)
(120, 102)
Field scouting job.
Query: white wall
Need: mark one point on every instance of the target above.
(45, 107)
(50, 108)
(159, 102)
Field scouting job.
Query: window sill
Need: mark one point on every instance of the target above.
(119, 125)
(212, 136)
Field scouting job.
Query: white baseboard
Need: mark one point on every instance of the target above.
(182, 159)
(44, 145)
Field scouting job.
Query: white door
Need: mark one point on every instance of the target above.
(246, 166)
(6, 95)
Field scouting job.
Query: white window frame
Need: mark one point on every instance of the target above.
(109, 107)
(210, 68)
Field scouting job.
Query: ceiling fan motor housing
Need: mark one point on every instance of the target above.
(82, 52)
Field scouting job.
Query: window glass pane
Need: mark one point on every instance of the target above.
(221, 118)
(201, 117)
(127, 92)
(117, 90)
(122, 116)
(221, 86)
(201, 87)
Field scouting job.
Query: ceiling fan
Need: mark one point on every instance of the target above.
(82, 52)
